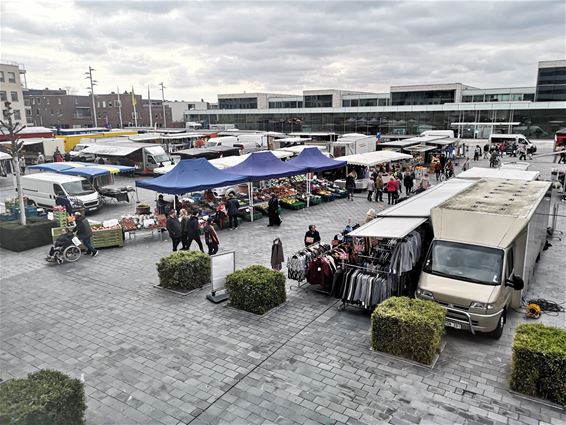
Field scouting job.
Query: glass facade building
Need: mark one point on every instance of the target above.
(551, 84)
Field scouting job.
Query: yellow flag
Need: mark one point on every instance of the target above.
(133, 97)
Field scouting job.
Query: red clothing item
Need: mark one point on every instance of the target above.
(392, 185)
(319, 273)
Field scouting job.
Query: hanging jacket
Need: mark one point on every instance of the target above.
(277, 256)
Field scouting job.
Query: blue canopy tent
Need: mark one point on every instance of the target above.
(52, 166)
(263, 166)
(87, 172)
(190, 175)
(314, 160)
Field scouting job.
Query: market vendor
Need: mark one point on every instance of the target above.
(162, 205)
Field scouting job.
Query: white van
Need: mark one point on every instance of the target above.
(42, 190)
(221, 141)
(510, 139)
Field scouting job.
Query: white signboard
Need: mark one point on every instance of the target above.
(222, 265)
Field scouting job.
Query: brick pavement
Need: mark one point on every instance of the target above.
(152, 357)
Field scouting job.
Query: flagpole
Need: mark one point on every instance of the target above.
(119, 106)
(150, 117)
(134, 104)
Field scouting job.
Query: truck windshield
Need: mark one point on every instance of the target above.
(78, 188)
(465, 262)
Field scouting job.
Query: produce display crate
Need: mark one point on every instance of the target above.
(257, 215)
(315, 200)
(100, 238)
(293, 206)
(327, 198)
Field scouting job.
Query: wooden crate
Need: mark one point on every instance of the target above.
(99, 239)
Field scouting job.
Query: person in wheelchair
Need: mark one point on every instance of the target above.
(64, 241)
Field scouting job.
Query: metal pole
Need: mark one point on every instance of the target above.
(308, 191)
(251, 200)
(163, 104)
(149, 98)
(92, 84)
(119, 106)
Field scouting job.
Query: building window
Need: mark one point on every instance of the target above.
(104, 104)
(59, 100)
(39, 101)
(11, 77)
(3, 97)
(322, 101)
(28, 112)
(1, 76)
(47, 101)
(17, 115)
(14, 96)
(76, 101)
(37, 112)
(109, 104)
(52, 112)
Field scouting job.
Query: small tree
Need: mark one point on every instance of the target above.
(7, 127)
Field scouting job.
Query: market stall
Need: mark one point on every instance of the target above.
(370, 159)
(263, 166)
(477, 173)
(313, 160)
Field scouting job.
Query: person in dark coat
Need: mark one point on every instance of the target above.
(62, 200)
(273, 211)
(184, 219)
(84, 233)
(408, 182)
(211, 237)
(232, 208)
(312, 235)
(193, 232)
(351, 184)
(174, 228)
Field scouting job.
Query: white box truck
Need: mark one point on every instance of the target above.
(487, 241)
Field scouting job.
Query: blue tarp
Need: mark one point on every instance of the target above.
(263, 166)
(191, 175)
(85, 172)
(52, 166)
(313, 160)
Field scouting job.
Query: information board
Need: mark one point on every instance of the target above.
(222, 264)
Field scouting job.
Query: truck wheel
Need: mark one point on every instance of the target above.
(496, 334)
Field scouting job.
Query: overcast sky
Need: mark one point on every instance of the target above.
(200, 49)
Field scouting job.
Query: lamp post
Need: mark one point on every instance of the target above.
(163, 103)
(92, 84)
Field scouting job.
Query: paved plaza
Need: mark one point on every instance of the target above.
(149, 356)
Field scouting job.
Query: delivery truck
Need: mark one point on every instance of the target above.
(487, 240)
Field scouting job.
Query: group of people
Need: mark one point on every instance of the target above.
(185, 229)
(82, 231)
(442, 166)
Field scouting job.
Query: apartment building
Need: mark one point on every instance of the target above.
(12, 90)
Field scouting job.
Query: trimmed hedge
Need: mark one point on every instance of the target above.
(539, 362)
(184, 270)
(408, 327)
(15, 237)
(47, 397)
(256, 289)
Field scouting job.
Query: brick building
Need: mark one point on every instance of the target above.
(56, 108)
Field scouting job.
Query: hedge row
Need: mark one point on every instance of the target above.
(256, 289)
(539, 362)
(184, 270)
(15, 237)
(47, 397)
(408, 327)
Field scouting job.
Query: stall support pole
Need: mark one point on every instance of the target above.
(137, 195)
(308, 191)
(251, 200)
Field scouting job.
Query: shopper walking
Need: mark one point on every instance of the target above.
(184, 219)
(391, 190)
(351, 184)
(379, 188)
(273, 211)
(371, 215)
(522, 153)
(437, 169)
(486, 151)
(174, 228)
(312, 236)
(84, 233)
(211, 238)
(193, 232)
(221, 215)
(371, 189)
(477, 153)
(232, 207)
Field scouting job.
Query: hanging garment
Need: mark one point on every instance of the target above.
(277, 257)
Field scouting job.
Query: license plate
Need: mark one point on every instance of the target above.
(452, 325)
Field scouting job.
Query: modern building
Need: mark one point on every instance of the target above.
(12, 90)
(472, 112)
(57, 108)
(180, 107)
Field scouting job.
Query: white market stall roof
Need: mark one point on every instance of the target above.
(300, 148)
(228, 161)
(444, 141)
(370, 159)
(411, 141)
(33, 141)
(516, 165)
(401, 219)
(4, 156)
(112, 150)
(294, 140)
(419, 148)
(499, 173)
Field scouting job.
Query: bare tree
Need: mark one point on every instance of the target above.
(7, 127)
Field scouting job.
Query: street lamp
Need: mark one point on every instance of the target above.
(92, 84)
(163, 103)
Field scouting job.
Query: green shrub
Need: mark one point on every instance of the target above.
(408, 327)
(184, 270)
(256, 289)
(539, 362)
(47, 397)
(15, 237)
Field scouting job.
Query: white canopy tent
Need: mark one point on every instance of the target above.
(499, 173)
(371, 159)
(403, 218)
(4, 156)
